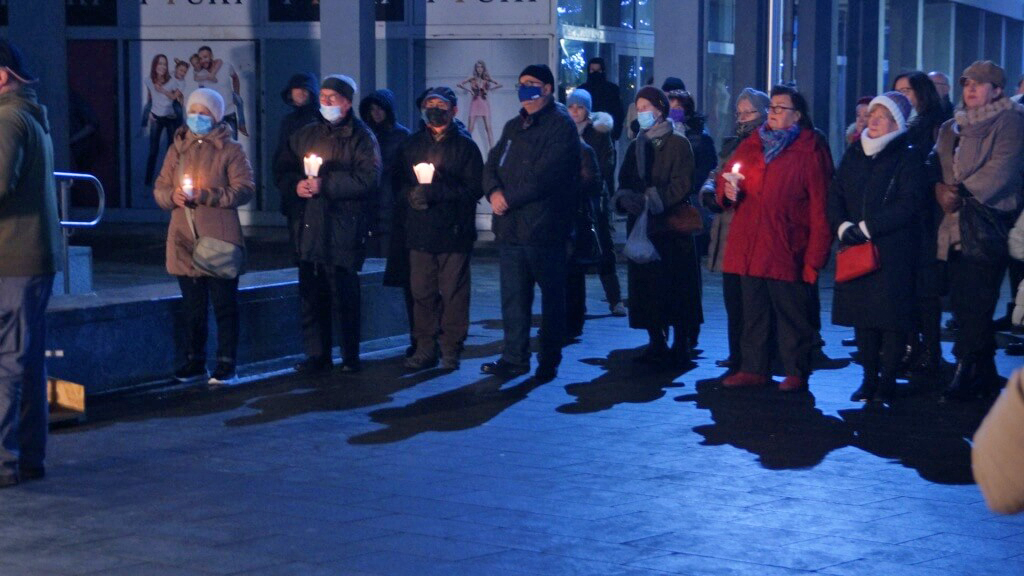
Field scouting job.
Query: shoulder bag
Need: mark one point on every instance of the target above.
(213, 256)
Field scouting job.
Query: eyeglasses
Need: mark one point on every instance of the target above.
(779, 109)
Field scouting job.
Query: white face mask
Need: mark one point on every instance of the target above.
(330, 113)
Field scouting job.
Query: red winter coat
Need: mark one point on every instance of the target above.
(780, 222)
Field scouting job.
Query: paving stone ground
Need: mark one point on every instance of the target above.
(612, 469)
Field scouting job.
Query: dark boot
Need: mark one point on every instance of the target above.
(962, 387)
(986, 379)
(886, 390)
(867, 389)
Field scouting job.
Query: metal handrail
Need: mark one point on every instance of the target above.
(66, 179)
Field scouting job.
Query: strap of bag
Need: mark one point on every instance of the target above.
(191, 222)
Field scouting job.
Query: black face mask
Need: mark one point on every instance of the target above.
(436, 117)
(597, 76)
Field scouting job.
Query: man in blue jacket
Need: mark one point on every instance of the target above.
(530, 179)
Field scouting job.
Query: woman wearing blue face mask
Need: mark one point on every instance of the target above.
(656, 175)
(205, 177)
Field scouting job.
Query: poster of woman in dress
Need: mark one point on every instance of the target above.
(170, 71)
(478, 86)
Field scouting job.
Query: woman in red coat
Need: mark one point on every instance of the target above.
(779, 238)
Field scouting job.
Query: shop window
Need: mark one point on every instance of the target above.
(577, 12)
(993, 37)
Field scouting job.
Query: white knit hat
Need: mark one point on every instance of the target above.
(897, 104)
(209, 98)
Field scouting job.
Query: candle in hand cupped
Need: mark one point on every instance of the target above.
(312, 165)
(424, 173)
(186, 186)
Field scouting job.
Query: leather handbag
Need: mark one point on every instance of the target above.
(985, 231)
(680, 218)
(213, 256)
(856, 261)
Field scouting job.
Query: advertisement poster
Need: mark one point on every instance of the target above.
(163, 74)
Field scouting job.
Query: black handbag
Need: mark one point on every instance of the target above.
(985, 231)
(586, 249)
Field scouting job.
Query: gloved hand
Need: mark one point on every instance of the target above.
(418, 197)
(709, 201)
(632, 203)
(853, 235)
(810, 274)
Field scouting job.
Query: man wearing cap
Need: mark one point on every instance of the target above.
(331, 221)
(978, 163)
(440, 223)
(530, 179)
(29, 258)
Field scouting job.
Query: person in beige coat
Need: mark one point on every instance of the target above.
(207, 173)
(996, 455)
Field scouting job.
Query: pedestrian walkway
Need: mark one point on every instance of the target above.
(612, 469)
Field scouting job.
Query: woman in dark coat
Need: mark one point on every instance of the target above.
(658, 167)
(875, 196)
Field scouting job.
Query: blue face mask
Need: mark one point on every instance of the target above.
(528, 93)
(330, 113)
(199, 123)
(645, 119)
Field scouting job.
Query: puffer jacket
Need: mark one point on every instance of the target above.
(390, 136)
(29, 226)
(332, 226)
(780, 223)
(536, 163)
(297, 118)
(222, 181)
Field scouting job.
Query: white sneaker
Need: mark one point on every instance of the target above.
(620, 310)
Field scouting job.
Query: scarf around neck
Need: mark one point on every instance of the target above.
(775, 141)
(660, 130)
(873, 146)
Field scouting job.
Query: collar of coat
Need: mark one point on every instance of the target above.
(185, 138)
(971, 117)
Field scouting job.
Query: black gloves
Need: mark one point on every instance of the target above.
(853, 235)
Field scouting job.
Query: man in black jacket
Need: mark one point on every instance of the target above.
(378, 112)
(332, 220)
(301, 94)
(440, 222)
(530, 179)
(605, 94)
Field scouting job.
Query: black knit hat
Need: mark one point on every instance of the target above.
(655, 97)
(443, 92)
(672, 83)
(10, 58)
(540, 72)
(341, 84)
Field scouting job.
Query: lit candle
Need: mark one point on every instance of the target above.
(736, 168)
(312, 165)
(424, 172)
(186, 185)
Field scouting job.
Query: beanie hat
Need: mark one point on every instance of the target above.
(305, 80)
(209, 98)
(11, 58)
(984, 71)
(580, 97)
(672, 83)
(897, 104)
(540, 72)
(341, 84)
(655, 97)
(759, 100)
(440, 92)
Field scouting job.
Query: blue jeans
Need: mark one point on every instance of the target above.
(521, 267)
(23, 406)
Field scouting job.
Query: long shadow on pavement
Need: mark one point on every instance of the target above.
(788, 431)
(623, 381)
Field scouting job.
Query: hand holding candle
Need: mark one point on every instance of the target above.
(312, 165)
(733, 179)
(186, 186)
(424, 173)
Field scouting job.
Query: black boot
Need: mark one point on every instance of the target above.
(886, 390)
(866, 391)
(962, 387)
(986, 378)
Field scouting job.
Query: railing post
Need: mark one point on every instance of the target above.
(65, 210)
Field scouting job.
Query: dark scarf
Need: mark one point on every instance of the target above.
(775, 141)
(655, 133)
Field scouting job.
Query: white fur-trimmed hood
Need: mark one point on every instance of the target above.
(602, 122)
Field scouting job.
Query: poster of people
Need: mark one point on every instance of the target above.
(167, 72)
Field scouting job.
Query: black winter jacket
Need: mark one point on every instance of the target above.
(448, 224)
(606, 97)
(390, 135)
(290, 124)
(601, 142)
(331, 227)
(536, 163)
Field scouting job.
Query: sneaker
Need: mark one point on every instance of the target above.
(224, 373)
(620, 310)
(192, 371)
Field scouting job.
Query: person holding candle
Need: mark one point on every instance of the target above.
(438, 173)
(875, 197)
(206, 172)
(779, 239)
(751, 112)
(332, 221)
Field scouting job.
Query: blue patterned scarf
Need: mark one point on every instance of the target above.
(775, 141)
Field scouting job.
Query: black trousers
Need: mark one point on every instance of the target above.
(792, 304)
(930, 285)
(196, 295)
(974, 292)
(733, 294)
(329, 297)
(880, 352)
(440, 285)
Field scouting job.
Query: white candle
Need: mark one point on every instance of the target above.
(424, 172)
(736, 168)
(186, 185)
(312, 165)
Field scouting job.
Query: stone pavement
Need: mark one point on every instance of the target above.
(612, 469)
